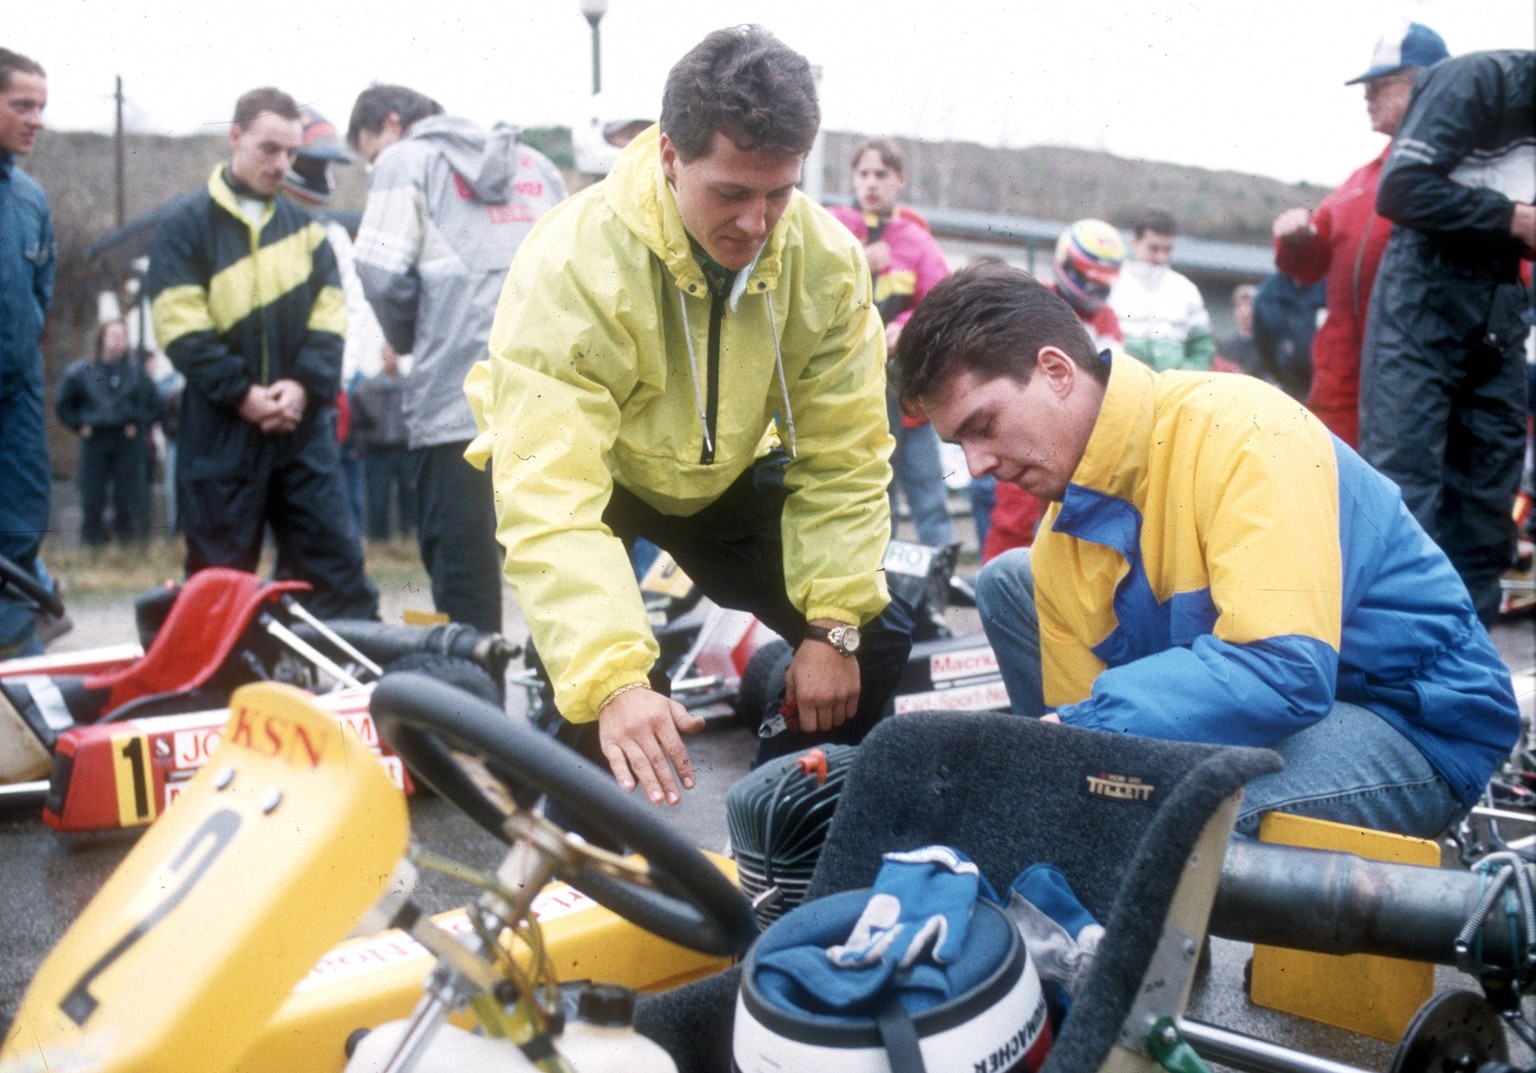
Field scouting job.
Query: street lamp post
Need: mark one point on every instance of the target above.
(594, 10)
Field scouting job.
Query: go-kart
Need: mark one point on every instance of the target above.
(289, 839)
(108, 737)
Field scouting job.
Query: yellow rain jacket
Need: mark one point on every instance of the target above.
(591, 380)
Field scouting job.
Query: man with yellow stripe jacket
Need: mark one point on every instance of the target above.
(1215, 566)
(247, 305)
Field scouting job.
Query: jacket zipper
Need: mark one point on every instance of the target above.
(712, 374)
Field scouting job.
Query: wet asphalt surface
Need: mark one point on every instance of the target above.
(47, 877)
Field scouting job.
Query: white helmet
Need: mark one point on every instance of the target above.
(995, 1019)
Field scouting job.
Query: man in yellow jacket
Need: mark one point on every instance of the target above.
(688, 352)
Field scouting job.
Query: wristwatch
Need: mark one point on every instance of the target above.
(843, 638)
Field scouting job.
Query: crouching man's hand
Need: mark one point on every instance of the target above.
(822, 686)
(640, 734)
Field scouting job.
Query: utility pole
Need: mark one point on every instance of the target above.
(120, 153)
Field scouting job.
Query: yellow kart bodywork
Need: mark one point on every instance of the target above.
(213, 948)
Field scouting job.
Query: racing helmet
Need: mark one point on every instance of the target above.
(1088, 259)
(320, 147)
(995, 1016)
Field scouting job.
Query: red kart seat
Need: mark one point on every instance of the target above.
(213, 610)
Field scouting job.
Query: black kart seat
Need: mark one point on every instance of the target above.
(1139, 828)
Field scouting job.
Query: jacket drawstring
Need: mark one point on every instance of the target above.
(778, 361)
(693, 364)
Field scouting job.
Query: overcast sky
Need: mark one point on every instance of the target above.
(1240, 84)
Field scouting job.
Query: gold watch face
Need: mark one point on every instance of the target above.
(845, 639)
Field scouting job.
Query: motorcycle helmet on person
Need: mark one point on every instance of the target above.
(1088, 259)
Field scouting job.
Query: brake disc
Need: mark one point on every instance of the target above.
(1453, 1032)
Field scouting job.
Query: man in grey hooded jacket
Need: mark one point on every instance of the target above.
(448, 205)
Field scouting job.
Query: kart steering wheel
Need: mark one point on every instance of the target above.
(686, 900)
(24, 582)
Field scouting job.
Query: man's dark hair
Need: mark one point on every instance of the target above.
(265, 100)
(889, 152)
(1154, 220)
(990, 319)
(376, 102)
(748, 85)
(12, 63)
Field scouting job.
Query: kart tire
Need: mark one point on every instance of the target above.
(762, 683)
(456, 671)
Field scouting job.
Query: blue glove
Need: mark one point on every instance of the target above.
(913, 925)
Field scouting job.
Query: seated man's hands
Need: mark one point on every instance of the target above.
(639, 731)
(821, 686)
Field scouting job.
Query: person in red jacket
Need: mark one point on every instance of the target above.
(1343, 238)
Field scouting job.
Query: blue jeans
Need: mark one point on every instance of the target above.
(1350, 767)
(916, 467)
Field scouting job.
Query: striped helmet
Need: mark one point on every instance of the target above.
(1088, 259)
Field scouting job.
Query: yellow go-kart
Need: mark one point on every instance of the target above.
(278, 887)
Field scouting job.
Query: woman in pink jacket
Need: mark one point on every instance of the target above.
(905, 264)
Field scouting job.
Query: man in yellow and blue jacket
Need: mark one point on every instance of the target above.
(1215, 566)
(247, 304)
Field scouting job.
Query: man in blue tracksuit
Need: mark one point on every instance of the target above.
(26, 288)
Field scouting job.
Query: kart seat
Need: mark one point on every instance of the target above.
(1139, 827)
(211, 613)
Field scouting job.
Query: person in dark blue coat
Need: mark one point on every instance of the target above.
(26, 289)
(110, 403)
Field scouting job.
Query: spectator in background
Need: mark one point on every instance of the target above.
(904, 262)
(26, 289)
(311, 182)
(169, 386)
(378, 421)
(1161, 312)
(448, 206)
(1236, 352)
(1343, 239)
(263, 366)
(1442, 378)
(1285, 316)
(1089, 257)
(110, 403)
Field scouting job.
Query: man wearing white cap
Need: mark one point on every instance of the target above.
(1344, 238)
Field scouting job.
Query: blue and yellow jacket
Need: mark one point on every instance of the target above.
(1223, 569)
(237, 304)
